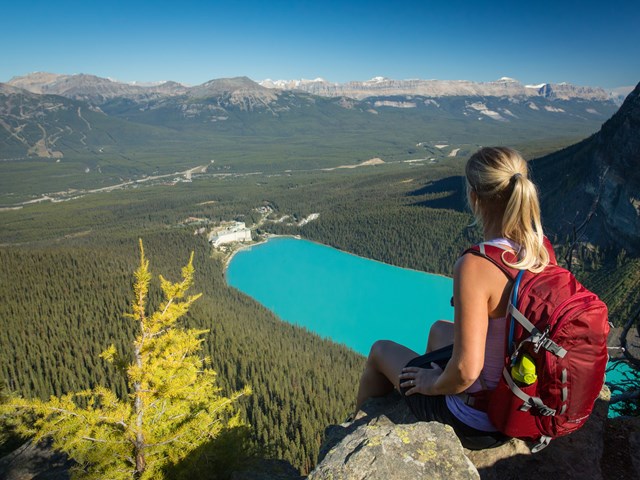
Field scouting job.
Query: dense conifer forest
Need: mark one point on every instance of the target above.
(70, 305)
(67, 270)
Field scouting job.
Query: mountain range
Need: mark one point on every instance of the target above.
(245, 94)
(93, 88)
(101, 132)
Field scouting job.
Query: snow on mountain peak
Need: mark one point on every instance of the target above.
(290, 84)
(315, 80)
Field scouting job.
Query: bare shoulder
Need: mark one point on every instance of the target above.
(478, 276)
(470, 264)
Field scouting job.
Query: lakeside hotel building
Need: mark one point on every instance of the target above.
(236, 233)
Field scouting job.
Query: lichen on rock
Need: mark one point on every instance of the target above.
(387, 442)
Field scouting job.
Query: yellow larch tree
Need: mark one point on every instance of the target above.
(173, 405)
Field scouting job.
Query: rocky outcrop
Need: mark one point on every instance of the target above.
(382, 450)
(387, 442)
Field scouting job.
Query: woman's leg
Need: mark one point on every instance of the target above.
(440, 335)
(382, 370)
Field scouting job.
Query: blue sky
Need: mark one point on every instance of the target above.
(585, 43)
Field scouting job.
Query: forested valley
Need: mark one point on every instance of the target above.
(67, 268)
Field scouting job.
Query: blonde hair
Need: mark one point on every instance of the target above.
(507, 199)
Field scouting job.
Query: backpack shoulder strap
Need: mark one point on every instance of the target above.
(496, 254)
(552, 254)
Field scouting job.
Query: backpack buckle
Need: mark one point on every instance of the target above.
(542, 340)
(542, 443)
(546, 411)
(539, 339)
(538, 404)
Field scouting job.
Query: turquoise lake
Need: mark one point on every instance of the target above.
(349, 299)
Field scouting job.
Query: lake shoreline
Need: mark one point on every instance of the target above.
(298, 237)
(242, 247)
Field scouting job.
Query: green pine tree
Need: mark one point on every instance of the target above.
(172, 408)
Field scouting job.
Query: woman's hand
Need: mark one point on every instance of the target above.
(420, 380)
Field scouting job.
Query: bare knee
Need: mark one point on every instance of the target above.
(375, 380)
(378, 351)
(389, 357)
(440, 335)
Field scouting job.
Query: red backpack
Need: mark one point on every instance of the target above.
(563, 328)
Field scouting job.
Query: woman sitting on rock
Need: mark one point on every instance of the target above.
(505, 202)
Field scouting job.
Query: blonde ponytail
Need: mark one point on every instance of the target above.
(508, 199)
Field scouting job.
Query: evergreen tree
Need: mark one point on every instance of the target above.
(173, 407)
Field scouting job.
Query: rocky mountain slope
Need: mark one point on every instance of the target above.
(603, 175)
(53, 126)
(92, 88)
(381, 86)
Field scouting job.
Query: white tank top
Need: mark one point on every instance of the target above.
(491, 370)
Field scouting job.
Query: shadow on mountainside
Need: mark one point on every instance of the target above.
(448, 193)
(229, 456)
(31, 461)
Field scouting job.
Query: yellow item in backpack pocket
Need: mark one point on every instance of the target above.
(524, 371)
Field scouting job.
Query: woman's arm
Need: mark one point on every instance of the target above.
(474, 286)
